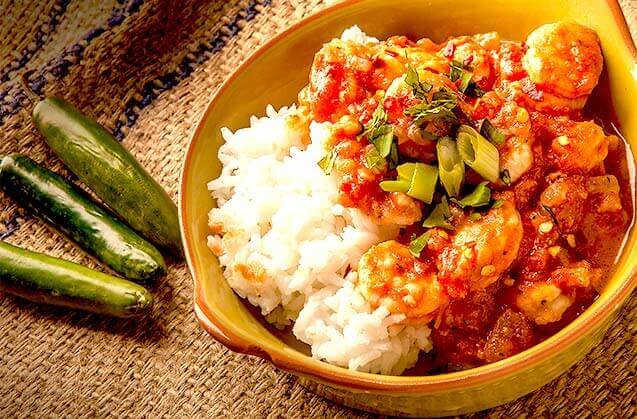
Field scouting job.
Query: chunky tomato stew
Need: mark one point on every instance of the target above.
(512, 201)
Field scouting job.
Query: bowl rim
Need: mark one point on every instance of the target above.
(594, 316)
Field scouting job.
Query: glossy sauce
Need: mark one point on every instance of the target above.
(566, 252)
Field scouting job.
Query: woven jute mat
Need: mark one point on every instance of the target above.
(146, 70)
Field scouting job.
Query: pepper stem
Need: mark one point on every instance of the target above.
(31, 95)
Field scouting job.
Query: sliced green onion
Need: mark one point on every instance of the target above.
(478, 153)
(398, 185)
(439, 216)
(480, 197)
(327, 162)
(491, 133)
(505, 176)
(416, 245)
(450, 166)
(406, 170)
(423, 183)
(417, 180)
(497, 203)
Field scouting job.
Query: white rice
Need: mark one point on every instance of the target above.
(281, 226)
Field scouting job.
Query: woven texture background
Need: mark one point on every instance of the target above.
(146, 70)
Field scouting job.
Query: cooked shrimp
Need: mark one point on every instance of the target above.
(564, 58)
(527, 94)
(399, 96)
(396, 208)
(516, 155)
(606, 190)
(390, 276)
(577, 146)
(481, 250)
(543, 303)
(511, 333)
(546, 302)
(511, 68)
(565, 196)
(337, 79)
(469, 51)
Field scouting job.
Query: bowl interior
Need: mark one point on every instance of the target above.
(275, 75)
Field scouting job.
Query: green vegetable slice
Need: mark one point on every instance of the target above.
(398, 185)
(450, 166)
(417, 180)
(491, 133)
(417, 244)
(480, 197)
(440, 216)
(478, 153)
(423, 183)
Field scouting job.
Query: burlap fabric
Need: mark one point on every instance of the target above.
(146, 69)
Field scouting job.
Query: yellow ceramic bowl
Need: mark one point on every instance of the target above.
(274, 74)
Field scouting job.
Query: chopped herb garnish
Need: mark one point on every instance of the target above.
(465, 79)
(381, 134)
(497, 203)
(551, 214)
(439, 216)
(417, 244)
(382, 139)
(373, 159)
(392, 159)
(419, 88)
(440, 108)
(327, 162)
(379, 119)
(467, 85)
(480, 197)
(455, 73)
(473, 90)
(505, 176)
(445, 96)
(460, 65)
(491, 133)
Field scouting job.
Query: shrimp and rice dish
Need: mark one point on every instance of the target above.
(448, 204)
